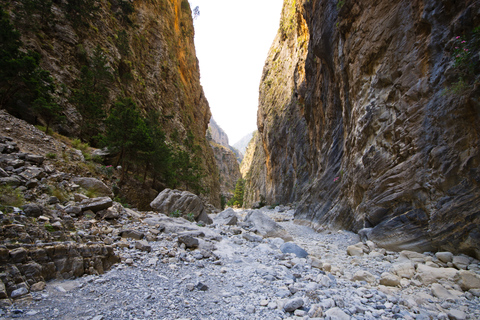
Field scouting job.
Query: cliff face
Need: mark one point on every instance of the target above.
(369, 136)
(149, 49)
(217, 134)
(225, 158)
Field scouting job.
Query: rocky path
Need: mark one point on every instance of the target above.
(231, 273)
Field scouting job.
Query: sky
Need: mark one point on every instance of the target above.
(232, 39)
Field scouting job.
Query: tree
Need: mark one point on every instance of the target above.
(91, 95)
(78, 10)
(237, 199)
(126, 133)
(23, 84)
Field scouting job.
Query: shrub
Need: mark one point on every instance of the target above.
(176, 213)
(11, 197)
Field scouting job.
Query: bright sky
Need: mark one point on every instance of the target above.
(232, 39)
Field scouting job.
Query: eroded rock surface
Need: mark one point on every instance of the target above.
(357, 123)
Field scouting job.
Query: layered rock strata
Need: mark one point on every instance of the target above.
(357, 122)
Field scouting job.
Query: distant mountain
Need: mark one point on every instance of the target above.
(242, 144)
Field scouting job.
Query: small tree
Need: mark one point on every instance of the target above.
(237, 199)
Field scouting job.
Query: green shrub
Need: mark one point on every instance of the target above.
(176, 213)
(51, 155)
(191, 217)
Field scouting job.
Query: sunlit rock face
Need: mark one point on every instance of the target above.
(151, 54)
(358, 126)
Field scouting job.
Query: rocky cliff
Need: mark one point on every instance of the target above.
(149, 51)
(364, 120)
(226, 159)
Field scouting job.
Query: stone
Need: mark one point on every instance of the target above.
(316, 263)
(290, 247)
(227, 217)
(454, 314)
(96, 204)
(32, 210)
(201, 286)
(293, 304)
(18, 255)
(404, 269)
(412, 256)
(444, 256)
(94, 185)
(133, 234)
(354, 250)
(185, 202)
(363, 275)
(467, 280)
(336, 314)
(3, 291)
(428, 275)
(440, 292)
(189, 241)
(109, 213)
(461, 262)
(143, 246)
(388, 279)
(32, 173)
(35, 158)
(73, 210)
(19, 292)
(265, 226)
(38, 286)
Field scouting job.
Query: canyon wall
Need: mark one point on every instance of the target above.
(362, 121)
(149, 50)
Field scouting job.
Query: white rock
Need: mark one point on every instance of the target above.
(388, 279)
(444, 256)
(428, 275)
(467, 280)
(440, 292)
(404, 269)
(363, 275)
(336, 314)
(455, 314)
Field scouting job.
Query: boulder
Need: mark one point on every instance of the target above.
(404, 269)
(32, 210)
(227, 217)
(94, 185)
(388, 279)
(445, 256)
(96, 204)
(265, 226)
(428, 275)
(289, 247)
(337, 314)
(35, 158)
(440, 292)
(467, 280)
(293, 304)
(363, 275)
(133, 234)
(189, 241)
(461, 262)
(143, 246)
(356, 249)
(186, 202)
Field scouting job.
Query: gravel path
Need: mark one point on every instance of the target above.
(246, 277)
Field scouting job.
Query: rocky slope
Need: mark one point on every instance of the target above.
(216, 133)
(366, 132)
(226, 271)
(149, 50)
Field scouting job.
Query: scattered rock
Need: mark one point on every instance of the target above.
(96, 204)
(363, 275)
(94, 185)
(388, 279)
(293, 304)
(336, 314)
(189, 241)
(445, 257)
(227, 217)
(289, 247)
(265, 226)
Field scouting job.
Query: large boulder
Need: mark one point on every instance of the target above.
(227, 217)
(265, 226)
(94, 185)
(186, 202)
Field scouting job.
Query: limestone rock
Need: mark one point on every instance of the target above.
(96, 204)
(440, 292)
(363, 275)
(289, 247)
(348, 130)
(337, 314)
(293, 304)
(186, 202)
(227, 217)
(189, 241)
(388, 279)
(265, 226)
(467, 280)
(94, 185)
(33, 210)
(444, 256)
(428, 275)
(404, 269)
